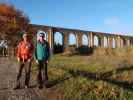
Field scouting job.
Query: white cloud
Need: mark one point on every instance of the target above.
(111, 21)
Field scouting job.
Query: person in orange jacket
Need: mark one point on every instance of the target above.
(24, 56)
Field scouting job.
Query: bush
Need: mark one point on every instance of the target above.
(58, 48)
(84, 50)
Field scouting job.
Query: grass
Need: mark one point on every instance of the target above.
(106, 75)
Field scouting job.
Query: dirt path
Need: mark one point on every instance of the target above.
(8, 72)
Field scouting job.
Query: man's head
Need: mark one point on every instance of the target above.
(41, 37)
(25, 36)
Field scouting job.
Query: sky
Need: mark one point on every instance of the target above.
(109, 16)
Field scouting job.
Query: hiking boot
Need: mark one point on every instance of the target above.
(40, 86)
(17, 87)
(26, 86)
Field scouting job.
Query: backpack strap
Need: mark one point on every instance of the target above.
(35, 52)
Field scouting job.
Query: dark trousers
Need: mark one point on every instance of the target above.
(4, 51)
(42, 72)
(27, 67)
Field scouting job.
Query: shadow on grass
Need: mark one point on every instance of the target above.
(118, 70)
(95, 76)
(105, 76)
(52, 83)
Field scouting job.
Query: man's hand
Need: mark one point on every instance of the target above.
(47, 61)
(29, 60)
(37, 62)
(18, 59)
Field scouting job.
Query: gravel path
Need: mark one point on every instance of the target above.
(8, 72)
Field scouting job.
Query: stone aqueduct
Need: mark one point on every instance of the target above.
(120, 40)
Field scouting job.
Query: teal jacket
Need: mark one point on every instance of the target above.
(42, 51)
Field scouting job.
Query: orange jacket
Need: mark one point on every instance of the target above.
(24, 51)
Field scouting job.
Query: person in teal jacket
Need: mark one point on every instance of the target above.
(41, 54)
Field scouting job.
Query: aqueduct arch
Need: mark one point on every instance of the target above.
(112, 40)
(84, 39)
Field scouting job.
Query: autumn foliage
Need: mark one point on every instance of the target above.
(12, 22)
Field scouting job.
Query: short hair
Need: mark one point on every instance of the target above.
(42, 34)
(25, 34)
